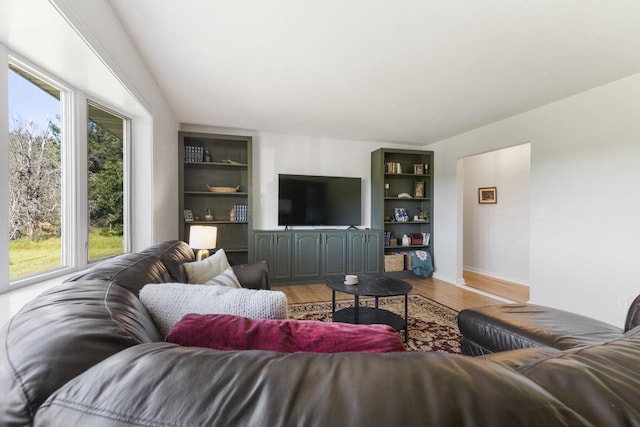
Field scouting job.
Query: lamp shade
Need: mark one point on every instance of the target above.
(202, 237)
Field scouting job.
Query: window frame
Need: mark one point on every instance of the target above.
(74, 173)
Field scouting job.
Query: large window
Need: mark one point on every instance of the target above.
(65, 186)
(106, 133)
(35, 175)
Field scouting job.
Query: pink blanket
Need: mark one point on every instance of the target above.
(227, 332)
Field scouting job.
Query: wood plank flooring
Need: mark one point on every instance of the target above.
(445, 293)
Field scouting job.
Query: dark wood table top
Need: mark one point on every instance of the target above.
(371, 285)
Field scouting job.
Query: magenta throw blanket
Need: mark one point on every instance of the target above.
(227, 332)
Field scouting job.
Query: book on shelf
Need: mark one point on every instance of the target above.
(193, 153)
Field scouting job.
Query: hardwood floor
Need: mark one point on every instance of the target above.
(445, 293)
(513, 291)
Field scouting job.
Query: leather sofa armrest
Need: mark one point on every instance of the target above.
(253, 276)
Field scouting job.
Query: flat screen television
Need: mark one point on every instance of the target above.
(319, 200)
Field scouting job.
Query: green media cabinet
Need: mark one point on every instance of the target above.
(308, 255)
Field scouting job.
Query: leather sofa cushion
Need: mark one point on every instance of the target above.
(512, 326)
(59, 335)
(601, 382)
(173, 253)
(226, 332)
(167, 385)
(131, 271)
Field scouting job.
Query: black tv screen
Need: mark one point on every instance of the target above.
(319, 200)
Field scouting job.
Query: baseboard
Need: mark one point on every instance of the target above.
(494, 276)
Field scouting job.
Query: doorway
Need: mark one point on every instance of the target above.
(495, 223)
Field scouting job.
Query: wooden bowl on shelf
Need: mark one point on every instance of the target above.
(223, 189)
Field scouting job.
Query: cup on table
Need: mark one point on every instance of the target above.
(351, 279)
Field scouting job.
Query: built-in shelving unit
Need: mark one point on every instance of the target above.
(217, 161)
(394, 172)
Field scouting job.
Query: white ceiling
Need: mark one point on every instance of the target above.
(395, 71)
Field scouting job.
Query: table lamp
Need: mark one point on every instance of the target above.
(202, 238)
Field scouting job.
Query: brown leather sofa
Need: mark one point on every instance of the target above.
(86, 353)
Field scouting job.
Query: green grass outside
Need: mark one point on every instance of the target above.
(28, 257)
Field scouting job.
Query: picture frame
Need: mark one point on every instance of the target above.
(487, 195)
(418, 169)
(418, 193)
(400, 215)
(188, 215)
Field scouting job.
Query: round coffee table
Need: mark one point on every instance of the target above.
(371, 285)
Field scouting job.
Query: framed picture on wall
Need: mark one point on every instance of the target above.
(487, 195)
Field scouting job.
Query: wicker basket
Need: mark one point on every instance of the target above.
(394, 262)
(223, 189)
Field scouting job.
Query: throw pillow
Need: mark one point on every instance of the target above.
(202, 271)
(167, 303)
(224, 332)
(227, 278)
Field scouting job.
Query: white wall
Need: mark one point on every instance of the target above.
(496, 236)
(155, 146)
(585, 197)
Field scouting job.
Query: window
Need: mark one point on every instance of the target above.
(106, 133)
(35, 175)
(64, 191)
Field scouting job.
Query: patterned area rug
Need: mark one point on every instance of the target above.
(432, 326)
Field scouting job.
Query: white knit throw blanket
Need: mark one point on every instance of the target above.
(167, 303)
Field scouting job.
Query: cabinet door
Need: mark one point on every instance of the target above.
(357, 255)
(306, 255)
(275, 249)
(334, 253)
(281, 257)
(262, 247)
(373, 252)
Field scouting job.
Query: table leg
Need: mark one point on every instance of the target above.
(333, 302)
(356, 309)
(406, 318)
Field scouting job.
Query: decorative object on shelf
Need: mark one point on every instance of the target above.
(388, 218)
(207, 215)
(230, 162)
(207, 156)
(188, 215)
(404, 196)
(419, 189)
(422, 216)
(400, 214)
(406, 240)
(202, 238)
(223, 189)
(393, 241)
(426, 168)
(416, 238)
(386, 189)
(418, 169)
(487, 195)
(425, 238)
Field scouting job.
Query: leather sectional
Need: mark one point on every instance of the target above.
(87, 353)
